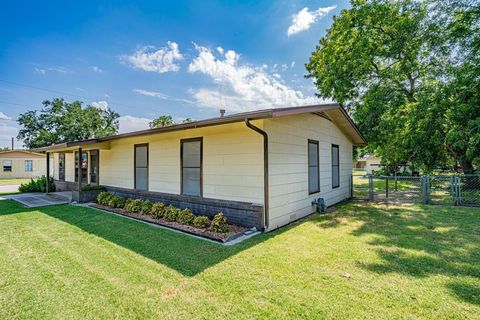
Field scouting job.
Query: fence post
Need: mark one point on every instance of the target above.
(459, 191)
(426, 189)
(370, 187)
(453, 190)
(396, 182)
(386, 186)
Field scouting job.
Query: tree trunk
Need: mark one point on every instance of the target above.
(467, 166)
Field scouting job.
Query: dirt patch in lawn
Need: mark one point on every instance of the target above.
(234, 230)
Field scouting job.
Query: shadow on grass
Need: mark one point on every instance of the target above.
(421, 241)
(177, 251)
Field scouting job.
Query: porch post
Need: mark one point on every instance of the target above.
(79, 169)
(48, 173)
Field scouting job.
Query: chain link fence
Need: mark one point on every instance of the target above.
(445, 190)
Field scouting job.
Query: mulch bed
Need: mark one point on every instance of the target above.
(233, 232)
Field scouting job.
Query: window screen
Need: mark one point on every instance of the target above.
(28, 165)
(335, 166)
(7, 165)
(141, 167)
(191, 158)
(61, 166)
(313, 167)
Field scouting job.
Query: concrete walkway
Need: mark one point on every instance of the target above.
(41, 199)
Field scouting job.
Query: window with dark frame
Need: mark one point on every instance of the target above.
(313, 167)
(335, 166)
(61, 166)
(191, 165)
(84, 166)
(141, 167)
(7, 165)
(28, 165)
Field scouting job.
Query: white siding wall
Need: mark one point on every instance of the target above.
(232, 162)
(288, 157)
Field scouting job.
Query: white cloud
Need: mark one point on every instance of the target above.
(243, 87)
(3, 116)
(220, 50)
(150, 93)
(43, 71)
(304, 19)
(162, 60)
(96, 69)
(7, 131)
(130, 123)
(292, 64)
(160, 95)
(102, 105)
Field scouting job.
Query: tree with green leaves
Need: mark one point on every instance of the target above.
(60, 121)
(390, 64)
(161, 121)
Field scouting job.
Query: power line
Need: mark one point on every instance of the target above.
(56, 92)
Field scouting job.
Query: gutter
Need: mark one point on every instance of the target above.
(265, 172)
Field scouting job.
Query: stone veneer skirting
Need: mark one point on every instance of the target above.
(239, 213)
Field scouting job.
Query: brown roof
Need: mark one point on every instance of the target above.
(357, 137)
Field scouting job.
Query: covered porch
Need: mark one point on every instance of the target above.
(75, 165)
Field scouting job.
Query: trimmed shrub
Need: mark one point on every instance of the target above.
(134, 205)
(158, 210)
(116, 201)
(186, 216)
(38, 185)
(145, 207)
(171, 213)
(219, 223)
(103, 198)
(201, 222)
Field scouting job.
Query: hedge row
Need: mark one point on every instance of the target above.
(159, 210)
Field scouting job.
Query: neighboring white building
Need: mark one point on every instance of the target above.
(16, 164)
(368, 163)
(262, 168)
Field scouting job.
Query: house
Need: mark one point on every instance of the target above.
(261, 169)
(18, 164)
(368, 163)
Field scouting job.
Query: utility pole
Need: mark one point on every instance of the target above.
(12, 143)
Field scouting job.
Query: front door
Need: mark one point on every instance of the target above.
(94, 162)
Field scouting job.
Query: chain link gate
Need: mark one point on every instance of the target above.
(444, 190)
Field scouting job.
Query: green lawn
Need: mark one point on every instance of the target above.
(403, 262)
(13, 181)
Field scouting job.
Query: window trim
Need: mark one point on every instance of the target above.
(310, 141)
(135, 165)
(338, 165)
(25, 165)
(182, 141)
(75, 175)
(11, 166)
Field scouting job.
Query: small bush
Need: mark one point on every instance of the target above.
(103, 198)
(171, 213)
(158, 210)
(134, 205)
(201, 222)
(38, 185)
(186, 216)
(219, 223)
(89, 187)
(145, 207)
(116, 201)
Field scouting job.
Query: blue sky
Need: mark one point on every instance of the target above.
(182, 58)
